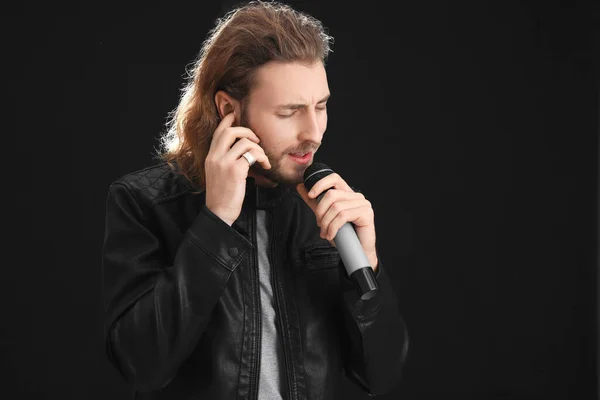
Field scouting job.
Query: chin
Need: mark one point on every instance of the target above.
(285, 179)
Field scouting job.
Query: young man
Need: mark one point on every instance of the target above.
(221, 279)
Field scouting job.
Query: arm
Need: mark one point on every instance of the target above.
(376, 343)
(156, 311)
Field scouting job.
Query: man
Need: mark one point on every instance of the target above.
(221, 279)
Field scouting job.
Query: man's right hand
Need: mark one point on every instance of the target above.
(226, 170)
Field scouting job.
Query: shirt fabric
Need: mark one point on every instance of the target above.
(272, 377)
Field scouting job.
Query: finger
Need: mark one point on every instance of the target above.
(226, 135)
(354, 215)
(226, 122)
(331, 197)
(337, 210)
(232, 135)
(303, 192)
(330, 181)
(245, 145)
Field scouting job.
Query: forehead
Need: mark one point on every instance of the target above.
(278, 82)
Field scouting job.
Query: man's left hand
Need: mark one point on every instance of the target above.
(339, 205)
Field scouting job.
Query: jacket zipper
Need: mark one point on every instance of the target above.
(279, 309)
(255, 365)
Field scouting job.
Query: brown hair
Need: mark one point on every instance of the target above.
(241, 41)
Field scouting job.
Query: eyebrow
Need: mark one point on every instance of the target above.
(296, 106)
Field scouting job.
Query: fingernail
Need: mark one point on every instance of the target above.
(311, 193)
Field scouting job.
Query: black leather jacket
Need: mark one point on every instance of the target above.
(182, 297)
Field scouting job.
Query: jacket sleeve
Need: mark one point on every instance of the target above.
(376, 340)
(156, 310)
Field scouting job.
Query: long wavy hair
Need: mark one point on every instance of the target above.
(241, 41)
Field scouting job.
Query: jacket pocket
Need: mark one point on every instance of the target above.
(318, 256)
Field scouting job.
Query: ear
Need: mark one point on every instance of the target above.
(226, 104)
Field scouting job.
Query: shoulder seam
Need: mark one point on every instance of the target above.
(135, 198)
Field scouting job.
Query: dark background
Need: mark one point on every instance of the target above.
(472, 126)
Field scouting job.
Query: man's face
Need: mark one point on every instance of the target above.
(287, 111)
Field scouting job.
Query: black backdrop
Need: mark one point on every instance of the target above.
(471, 126)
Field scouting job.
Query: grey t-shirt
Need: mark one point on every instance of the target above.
(272, 373)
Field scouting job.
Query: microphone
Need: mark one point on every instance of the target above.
(346, 241)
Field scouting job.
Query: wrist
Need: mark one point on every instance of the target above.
(220, 215)
(373, 261)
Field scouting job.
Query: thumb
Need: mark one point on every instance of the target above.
(301, 189)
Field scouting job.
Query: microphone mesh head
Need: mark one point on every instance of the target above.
(315, 172)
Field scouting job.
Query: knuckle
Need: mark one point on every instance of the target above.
(248, 132)
(234, 166)
(330, 231)
(212, 161)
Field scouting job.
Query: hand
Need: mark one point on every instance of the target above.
(339, 205)
(226, 170)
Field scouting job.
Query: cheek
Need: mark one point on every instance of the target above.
(323, 122)
(272, 137)
(267, 130)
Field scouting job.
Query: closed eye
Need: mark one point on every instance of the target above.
(286, 115)
(323, 108)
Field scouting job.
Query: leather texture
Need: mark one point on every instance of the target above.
(183, 305)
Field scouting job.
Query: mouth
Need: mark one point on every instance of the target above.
(301, 158)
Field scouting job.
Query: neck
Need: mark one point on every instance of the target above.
(261, 180)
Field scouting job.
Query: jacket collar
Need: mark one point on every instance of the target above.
(257, 197)
(263, 197)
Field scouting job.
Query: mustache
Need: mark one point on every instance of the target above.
(304, 150)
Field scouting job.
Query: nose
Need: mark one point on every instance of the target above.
(311, 129)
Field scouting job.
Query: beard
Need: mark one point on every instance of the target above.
(277, 174)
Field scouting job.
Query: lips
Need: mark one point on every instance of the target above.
(301, 158)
